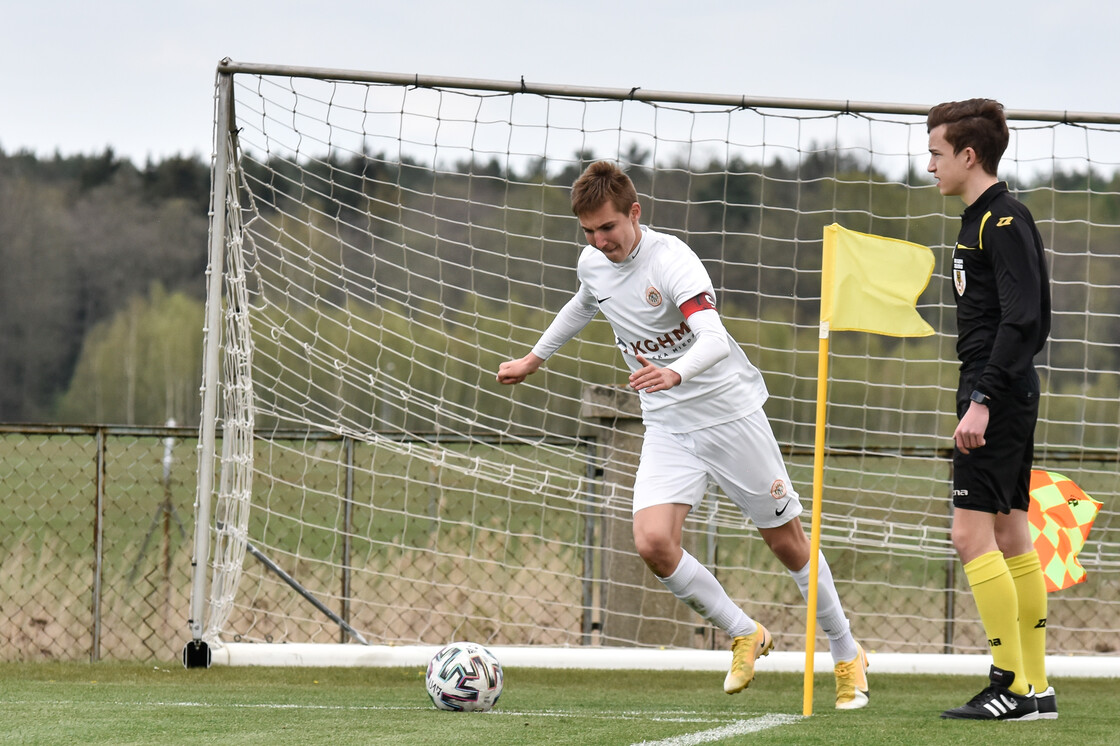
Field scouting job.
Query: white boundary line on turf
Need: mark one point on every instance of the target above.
(738, 728)
(682, 716)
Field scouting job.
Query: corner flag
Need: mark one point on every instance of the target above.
(872, 283)
(868, 284)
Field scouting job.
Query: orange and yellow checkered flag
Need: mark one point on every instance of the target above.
(1060, 517)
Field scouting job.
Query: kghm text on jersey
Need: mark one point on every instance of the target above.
(674, 340)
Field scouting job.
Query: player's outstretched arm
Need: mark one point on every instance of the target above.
(515, 371)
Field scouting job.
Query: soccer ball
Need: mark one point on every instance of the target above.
(464, 676)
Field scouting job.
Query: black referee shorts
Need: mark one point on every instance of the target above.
(996, 477)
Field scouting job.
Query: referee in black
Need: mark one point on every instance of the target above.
(1002, 291)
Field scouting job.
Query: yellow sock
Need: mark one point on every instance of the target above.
(998, 604)
(1026, 572)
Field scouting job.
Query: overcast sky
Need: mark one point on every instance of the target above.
(138, 77)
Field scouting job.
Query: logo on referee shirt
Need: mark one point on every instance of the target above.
(653, 296)
(958, 276)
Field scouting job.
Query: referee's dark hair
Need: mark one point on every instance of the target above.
(978, 123)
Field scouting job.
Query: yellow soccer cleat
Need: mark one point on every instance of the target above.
(744, 651)
(851, 682)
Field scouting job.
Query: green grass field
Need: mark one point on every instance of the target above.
(69, 703)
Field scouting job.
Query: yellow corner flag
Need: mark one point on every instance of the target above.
(1060, 517)
(868, 284)
(872, 283)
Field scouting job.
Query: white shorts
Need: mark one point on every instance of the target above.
(742, 457)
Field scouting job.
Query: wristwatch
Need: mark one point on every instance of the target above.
(981, 398)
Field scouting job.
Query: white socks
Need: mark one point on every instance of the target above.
(830, 614)
(692, 583)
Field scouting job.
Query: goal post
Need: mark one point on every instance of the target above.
(381, 242)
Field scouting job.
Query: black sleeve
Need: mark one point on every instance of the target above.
(1015, 263)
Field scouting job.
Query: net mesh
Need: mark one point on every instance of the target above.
(388, 246)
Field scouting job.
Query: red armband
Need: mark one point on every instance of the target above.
(701, 302)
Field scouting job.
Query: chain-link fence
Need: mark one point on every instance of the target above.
(95, 555)
(95, 542)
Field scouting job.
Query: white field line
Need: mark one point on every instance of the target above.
(663, 716)
(738, 728)
(729, 730)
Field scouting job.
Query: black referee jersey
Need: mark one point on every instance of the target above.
(1002, 289)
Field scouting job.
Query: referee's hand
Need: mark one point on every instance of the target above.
(970, 430)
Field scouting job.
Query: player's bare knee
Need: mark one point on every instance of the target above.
(651, 547)
(658, 550)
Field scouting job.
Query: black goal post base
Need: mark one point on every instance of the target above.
(196, 654)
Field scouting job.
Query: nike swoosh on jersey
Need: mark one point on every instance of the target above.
(779, 512)
(603, 300)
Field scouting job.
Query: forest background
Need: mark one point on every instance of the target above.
(101, 271)
(102, 262)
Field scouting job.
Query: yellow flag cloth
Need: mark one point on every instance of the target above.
(872, 283)
(1060, 516)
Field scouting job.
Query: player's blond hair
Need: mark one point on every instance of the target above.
(603, 182)
(978, 123)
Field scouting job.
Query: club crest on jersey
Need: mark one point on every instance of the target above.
(958, 276)
(653, 297)
(778, 489)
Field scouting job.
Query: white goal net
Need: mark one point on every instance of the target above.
(380, 243)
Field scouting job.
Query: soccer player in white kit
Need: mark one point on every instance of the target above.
(702, 409)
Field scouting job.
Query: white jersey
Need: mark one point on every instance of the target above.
(641, 298)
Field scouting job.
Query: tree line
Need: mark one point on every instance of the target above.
(82, 239)
(101, 291)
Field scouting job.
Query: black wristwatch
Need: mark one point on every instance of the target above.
(981, 398)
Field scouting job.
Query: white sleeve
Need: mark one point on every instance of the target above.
(569, 322)
(710, 347)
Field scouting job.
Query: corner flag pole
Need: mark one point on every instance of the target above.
(815, 528)
(868, 284)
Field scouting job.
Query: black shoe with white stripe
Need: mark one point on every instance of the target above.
(997, 702)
